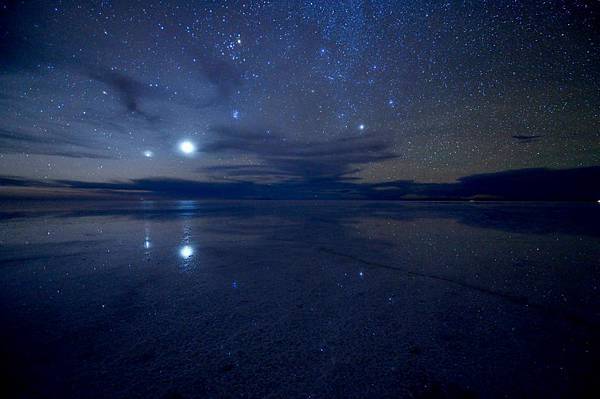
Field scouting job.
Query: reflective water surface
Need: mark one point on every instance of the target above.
(190, 299)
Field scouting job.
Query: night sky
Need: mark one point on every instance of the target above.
(298, 98)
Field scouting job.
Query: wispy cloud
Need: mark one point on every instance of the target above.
(22, 141)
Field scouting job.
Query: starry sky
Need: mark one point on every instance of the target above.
(308, 97)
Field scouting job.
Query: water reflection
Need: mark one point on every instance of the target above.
(147, 239)
(186, 251)
(365, 292)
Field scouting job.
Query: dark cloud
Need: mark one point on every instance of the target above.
(525, 138)
(279, 156)
(131, 91)
(12, 181)
(515, 185)
(224, 76)
(535, 184)
(234, 171)
(522, 184)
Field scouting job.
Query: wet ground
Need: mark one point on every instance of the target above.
(189, 299)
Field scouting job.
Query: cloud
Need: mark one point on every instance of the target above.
(576, 184)
(526, 139)
(278, 156)
(222, 75)
(13, 181)
(21, 141)
(538, 184)
(131, 91)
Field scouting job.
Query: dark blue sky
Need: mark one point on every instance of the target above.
(318, 97)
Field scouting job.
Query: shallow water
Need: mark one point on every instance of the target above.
(299, 299)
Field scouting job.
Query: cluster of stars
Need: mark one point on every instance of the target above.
(447, 86)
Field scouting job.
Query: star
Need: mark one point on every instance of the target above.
(187, 147)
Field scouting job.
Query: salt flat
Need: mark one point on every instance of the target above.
(189, 299)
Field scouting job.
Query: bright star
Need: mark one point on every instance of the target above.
(361, 127)
(187, 147)
(148, 154)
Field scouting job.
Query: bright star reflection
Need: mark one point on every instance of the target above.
(148, 154)
(186, 251)
(187, 147)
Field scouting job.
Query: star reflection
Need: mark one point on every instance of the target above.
(186, 251)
